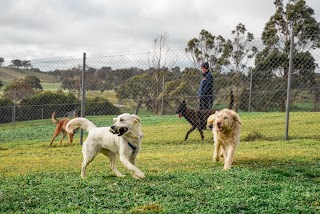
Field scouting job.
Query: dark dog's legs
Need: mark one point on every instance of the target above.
(201, 133)
(190, 130)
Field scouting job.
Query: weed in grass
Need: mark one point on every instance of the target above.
(255, 135)
(149, 208)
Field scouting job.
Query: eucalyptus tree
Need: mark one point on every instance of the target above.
(239, 53)
(1, 61)
(207, 48)
(225, 56)
(296, 18)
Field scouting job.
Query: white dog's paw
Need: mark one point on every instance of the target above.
(120, 175)
(138, 175)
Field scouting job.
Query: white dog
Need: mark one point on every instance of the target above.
(123, 138)
(226, 127)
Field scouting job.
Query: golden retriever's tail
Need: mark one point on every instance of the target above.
(80, 122)
(53, 118)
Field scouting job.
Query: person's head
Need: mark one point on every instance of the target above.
(205, 67)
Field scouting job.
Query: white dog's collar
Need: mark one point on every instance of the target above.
(134, 148)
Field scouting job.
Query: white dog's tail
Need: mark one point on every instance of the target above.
(80, 122)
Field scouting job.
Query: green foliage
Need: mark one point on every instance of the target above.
(145, 89)
(9, 74)
(255, 135)
(34, 82)
(19, 89)
(6, 110)
(46, 102)
(207, 48)
(272, 63)
(1, 61)
(100, 106)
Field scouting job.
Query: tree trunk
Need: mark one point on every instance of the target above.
(138, 107)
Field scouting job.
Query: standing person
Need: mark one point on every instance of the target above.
(205, 91)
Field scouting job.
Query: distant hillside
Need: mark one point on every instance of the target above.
(8, 74)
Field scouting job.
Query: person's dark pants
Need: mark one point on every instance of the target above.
(205, 104)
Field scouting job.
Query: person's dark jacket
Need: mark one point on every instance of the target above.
(206, 85)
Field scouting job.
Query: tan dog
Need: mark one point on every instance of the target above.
(123, 138)
(61, 128)
(226, 127)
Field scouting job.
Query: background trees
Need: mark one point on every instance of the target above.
(272, 63)
(225, 56)
(34, 82)
(1, 61)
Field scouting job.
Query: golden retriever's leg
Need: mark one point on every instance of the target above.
(216, 151)
(54, 136)
(217, 147)
(70, 136)
(56, 133)
(223, 152)
(112, 158)
(63, 135)
(136, 173)
(229, 157)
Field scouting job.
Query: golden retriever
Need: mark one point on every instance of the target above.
(123, 138)
(226, 127)
(61, 128)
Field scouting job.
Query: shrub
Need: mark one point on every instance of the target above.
(100, 106)
(6, 107)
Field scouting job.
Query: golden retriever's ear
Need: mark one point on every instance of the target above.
(136, 118)
(236, 118)
(211, 119)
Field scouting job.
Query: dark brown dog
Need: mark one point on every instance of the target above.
(61, 128)
(196, 118)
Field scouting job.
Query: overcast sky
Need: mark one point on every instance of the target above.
(36, 29)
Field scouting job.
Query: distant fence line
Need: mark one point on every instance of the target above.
(140, 84)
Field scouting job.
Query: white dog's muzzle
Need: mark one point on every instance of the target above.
(118, 130)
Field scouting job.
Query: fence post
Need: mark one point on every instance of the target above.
(249, 104)
(289, 85)
(162, 95)
(83, 95)
(14, 107)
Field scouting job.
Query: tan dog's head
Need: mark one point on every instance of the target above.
(226, 120)
(125, 123)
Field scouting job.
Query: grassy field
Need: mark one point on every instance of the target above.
(8, 74)
(268, 176)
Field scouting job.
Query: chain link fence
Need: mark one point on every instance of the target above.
(152, 83)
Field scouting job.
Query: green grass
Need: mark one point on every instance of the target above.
(268, 175)
(8, 74)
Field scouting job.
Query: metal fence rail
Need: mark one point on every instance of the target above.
(154, 82)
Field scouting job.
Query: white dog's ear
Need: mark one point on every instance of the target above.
(136, 118)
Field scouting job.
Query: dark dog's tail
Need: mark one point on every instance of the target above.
(53, 118)
(231, 100)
